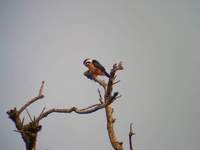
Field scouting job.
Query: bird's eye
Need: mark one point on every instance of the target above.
(87, 63)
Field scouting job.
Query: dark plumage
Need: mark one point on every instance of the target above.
(95, 67)
(99, 66)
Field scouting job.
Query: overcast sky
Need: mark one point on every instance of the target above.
(158, 43)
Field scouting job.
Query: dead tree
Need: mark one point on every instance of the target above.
(30, 130)
(108, 89)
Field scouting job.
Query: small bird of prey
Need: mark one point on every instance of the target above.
(94, 68)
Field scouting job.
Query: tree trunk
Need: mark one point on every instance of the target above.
(111, 132)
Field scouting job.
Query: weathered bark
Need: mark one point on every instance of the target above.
(111, 132)
(30, 130)
(109, 110)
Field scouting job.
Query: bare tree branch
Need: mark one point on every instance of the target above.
(87, 110)
(42, 112)
(100, 97)
(29, 115)
(116, 82)
(109, 110)
(30, 130)
(41, 89)
(101, 82)
(131, 133)
(40, 96)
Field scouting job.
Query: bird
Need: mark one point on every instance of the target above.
(94, 68)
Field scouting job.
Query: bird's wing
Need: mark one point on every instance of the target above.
(98, 65)
(88, 75)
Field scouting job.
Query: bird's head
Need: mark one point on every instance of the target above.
(87, 61)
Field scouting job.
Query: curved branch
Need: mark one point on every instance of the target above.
(40, 96)
(87, 110)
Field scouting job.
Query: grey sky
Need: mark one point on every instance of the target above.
(158, 42)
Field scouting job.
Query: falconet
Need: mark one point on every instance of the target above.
(94, 69)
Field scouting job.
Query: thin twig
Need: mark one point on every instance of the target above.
(19, 131)
(29, 103)
(100, 97)
(40, 96)
(41, 89)
(118, 96)
(23, 121)
(42, 111)
(116, 82)
(29, 115)
(131, 133)
(87, 108)
(101, 82)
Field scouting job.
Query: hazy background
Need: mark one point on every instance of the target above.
(158, 42)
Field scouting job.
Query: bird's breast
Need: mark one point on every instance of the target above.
(95, 70)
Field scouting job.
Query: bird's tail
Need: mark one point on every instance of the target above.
(107, 74)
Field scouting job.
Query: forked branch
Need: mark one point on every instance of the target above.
(87, 110)
(116, 144)
(39, 96)
(30, 130)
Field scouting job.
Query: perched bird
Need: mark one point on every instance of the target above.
(95, 68)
